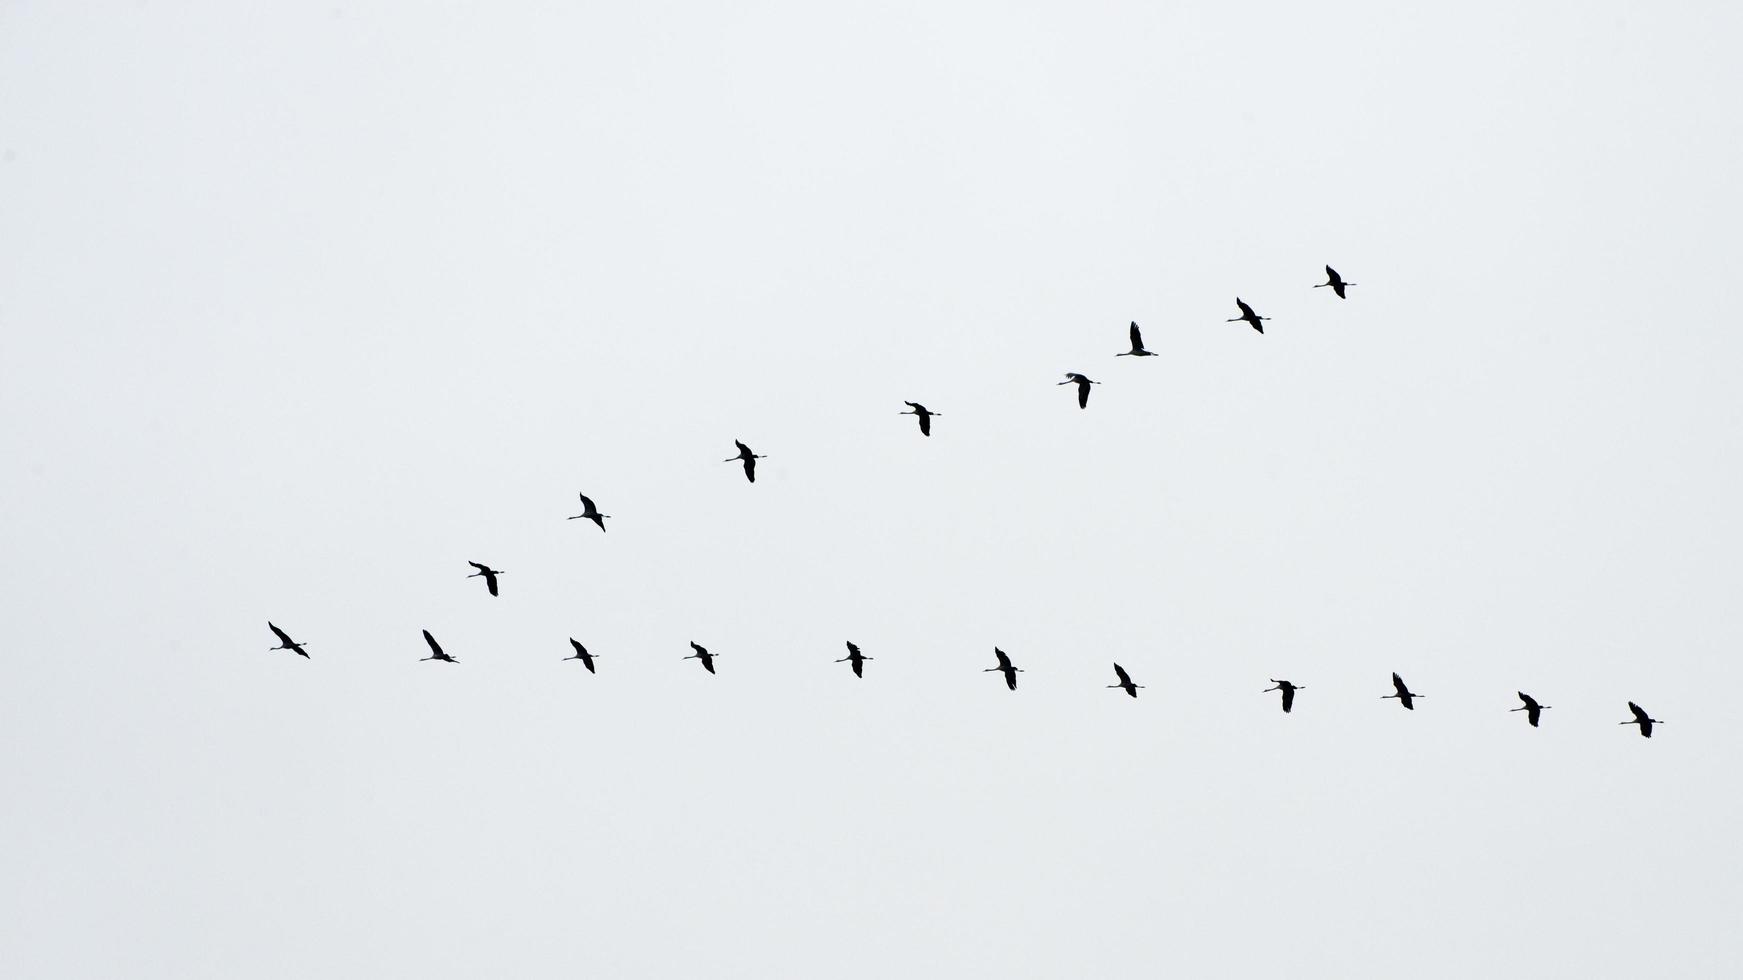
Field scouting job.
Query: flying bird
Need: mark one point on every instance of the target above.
(855, 658)
(582, 655)
(489, 574)
(1642, 719)
(1337, 284)
(285, 642)
(590, 512)
(1404, 696)
(1083, 383)
(435, 650)
(703, 655)
(1288, 690)
(1125, 683)
(1137, 345)
(750, 460)
(1533, 710)
(1005, 668)
(924, 415)
(1248, 315)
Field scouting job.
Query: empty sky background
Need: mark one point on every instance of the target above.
(304, 306)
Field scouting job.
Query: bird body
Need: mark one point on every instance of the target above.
(285, 642)
(855, 659)
(1337, 284)
(582, 655)
(1642, 719)
(1137, 344)
(1288, 690)
(1005, 668)
(749, 458)
(436, 650)
(1403, 694)
(1248, 316)
(488, 573)
(1083, 383)
(923, 414)
(1125, 683)
(703, 655)
(590, 512)
(1533, 710)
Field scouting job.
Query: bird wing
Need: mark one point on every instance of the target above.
(1137, 338)
(1288, 697)
(701, 651)
(1004, 658)
(1124, 677)
(587, 504)
(1640, 714)
(1398, 684)
(852, 650)
(1530, 702)
(1245, 309)
(282, 638)
(482, 568)
(490, 581)
(579, 649)
(743, 450)
(925, 423)
(1331, 273)
(750, 468)
(435, 647)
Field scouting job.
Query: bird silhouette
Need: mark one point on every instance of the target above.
(855, 658)
(1248, 315)
(285, 642)
(582, 655)
(925, 416)
(1005, 668)
(1137, 345)
(591, 513)
(489, 574)
(1125, 683)
(1083, 383)
(1533, 710)
(749, 458)
(703, 655)
(1405, 698)
(436, 650)
(1337, 284)
(1642, 719)
(1288, 690)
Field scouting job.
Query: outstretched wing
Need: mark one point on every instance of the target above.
(852, 649)
(435, 648)
(1246, 311)
(701, 651)
(1004, 659)
(282, 637)
(481, 568)
(1640, 714)
(1137, 338)
(490, 582)
(1124, 677)
(587, 504)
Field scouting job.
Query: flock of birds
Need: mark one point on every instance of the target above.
(857, 660)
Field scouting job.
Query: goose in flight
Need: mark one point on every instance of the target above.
(488, 573)
(1533, 710)
(703, 655)
(590, 512)
(1137, 345)
(1125, 683)
(749, 458)
(436, 650)
(285, 642)
(582, 655)
(855, 658)
(924, 414)
(1083, 383)
(1288, 690)
(1337, 284)
(1005, 668)
(1248, 315)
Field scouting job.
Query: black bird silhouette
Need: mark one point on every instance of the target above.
(285, 642)
(703, 655)
(923, 414)
(1083, 383)
(750, 460)
(1137, 345)
(1642, 719)
(1248, 315)
(855, 658)
(1288, 690)
(1005, 668)
(1337, 284)
(1404, 696)
(489, 574)
(436, 650)
(590, 512)
(1125, 683)
(1533, 710)
(582, 655)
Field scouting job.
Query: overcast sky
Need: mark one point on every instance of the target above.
(303, 307)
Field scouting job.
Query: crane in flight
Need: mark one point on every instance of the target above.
(1125, 683)
(1405, 698)
(436, 650)
(488, 573)
(1005, 668)
(749, 458)
(1137, 345)
(1337, 284)
(1642, 719)
(1083, 383)
(1248, 316)
(1533, 710)
(703, 655)
(855, 658)
(923, 414)
(582, 655)
(285, 642)
(590, 512)
(1288, 690)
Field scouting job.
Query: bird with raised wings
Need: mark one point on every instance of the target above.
(436, 650)
(1137, 344)
(489, 574)
(591, 513)
(285, 642)
(1533, 710)
(1402, 693)
(1337, 284)
(855, 658)
(924, 415)
(1288, 690)
(1005, 668)
(1642, 719)
(749, 458)
(1125, 683)
(703, 655)
(1248, 316)
(582, 655)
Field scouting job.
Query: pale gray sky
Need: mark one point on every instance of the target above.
(302, 307)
